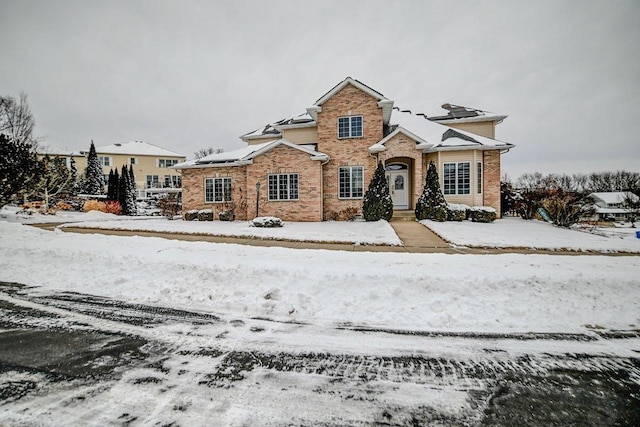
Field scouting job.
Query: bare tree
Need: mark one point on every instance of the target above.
(16, 120)
(203, 152)
(631, 202)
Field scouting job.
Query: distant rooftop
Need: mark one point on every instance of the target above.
(137, 148)
(458, 113)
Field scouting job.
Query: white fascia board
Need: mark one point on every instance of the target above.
(280, 128)
(469, 147)
(313, 111)
(400, 129)
(315, 155)
(261, 136)
(216, 165)
(387, 109)
(487, 118)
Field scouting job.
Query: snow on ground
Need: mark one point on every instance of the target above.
(358, 232)
(16, 214)
(519, 233)
(481, 293)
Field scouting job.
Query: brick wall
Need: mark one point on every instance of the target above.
(402, 149)
(349, 101)
(491, 179)
(193, 189)
(284, 159)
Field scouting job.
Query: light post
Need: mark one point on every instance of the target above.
(257, 199)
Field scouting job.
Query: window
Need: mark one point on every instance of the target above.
(152, 181)
(457, 178)
(167, 163)
(217, 190)
(132, 160)
(350, 182)
(104, 161)
(479, 172)
(350, 127)
(283, 186)
(172, 181)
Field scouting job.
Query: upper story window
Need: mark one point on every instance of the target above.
(351, 182)
(104, 161)
(167, 163)
(457, 178)
(350, 127)
(283, 186)
(132, 160)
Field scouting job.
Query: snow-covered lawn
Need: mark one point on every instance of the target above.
(482, 293)
(357, 232)
(519, 233)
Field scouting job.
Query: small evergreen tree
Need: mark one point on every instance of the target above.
(132, 180)
(112, 186)
(74, 177)
(94, 183)
(126, 196)
(377, 203)
(20, 170)
(431, 204)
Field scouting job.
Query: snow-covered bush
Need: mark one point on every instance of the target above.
(227, 215)
(205, 215)
(377, 203)
(191, 215)
(457, 212)
(482, 214)
(267, 222)
(431, 204)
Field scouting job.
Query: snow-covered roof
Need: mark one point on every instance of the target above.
(274, 129)
(461, 114)
(245, 155)
(432, 136)
(613, 197)
(137, 148)
(384, 103)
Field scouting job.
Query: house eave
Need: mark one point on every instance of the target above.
(469, 147)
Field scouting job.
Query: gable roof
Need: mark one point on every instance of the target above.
(461, 114)
(613, 197)
(137, 148)
(245, 155)
(432, 136)
(384, 103)
(274, 129)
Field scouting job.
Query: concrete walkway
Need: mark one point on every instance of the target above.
(416, 238)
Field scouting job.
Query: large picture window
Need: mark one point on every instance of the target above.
(350, 127)
(217, 190)
(351, 179)
(457, 178)
(283, 186)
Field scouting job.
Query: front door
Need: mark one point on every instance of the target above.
(399, 188)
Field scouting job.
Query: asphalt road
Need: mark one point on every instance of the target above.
(74, 359)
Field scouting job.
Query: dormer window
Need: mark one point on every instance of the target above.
(350, 127)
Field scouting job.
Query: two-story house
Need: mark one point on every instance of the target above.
(612, 206)
(152, 165)
(306, 167)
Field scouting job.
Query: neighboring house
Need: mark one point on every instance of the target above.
(152, 165)
(322, 161)
(610, 206)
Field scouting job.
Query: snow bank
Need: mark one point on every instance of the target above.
(519, 233)
(481, 293)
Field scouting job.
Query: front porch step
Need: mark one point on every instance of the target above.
(405, 215)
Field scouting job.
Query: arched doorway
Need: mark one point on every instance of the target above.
(398, 180)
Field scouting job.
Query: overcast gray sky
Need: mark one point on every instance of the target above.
(192, 74)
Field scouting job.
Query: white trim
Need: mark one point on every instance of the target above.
(486, 118)
(296, 126)
(379, 147)
(350, 117)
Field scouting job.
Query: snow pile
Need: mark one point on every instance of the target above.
(481, 293)
(519, 233)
